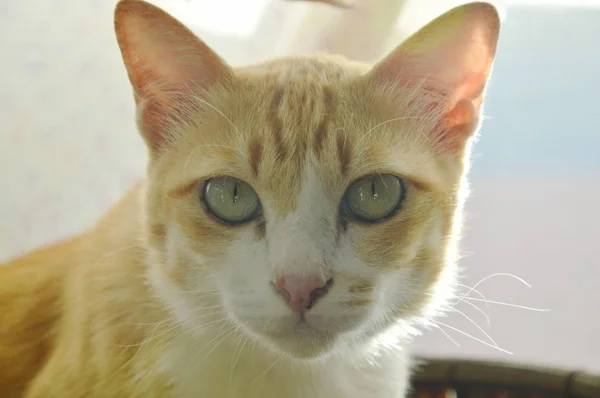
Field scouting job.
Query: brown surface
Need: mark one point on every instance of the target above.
(478, 379)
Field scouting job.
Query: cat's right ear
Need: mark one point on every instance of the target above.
(168, 66)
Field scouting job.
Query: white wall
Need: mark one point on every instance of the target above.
(69, 149)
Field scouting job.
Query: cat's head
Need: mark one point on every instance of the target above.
(311, 202)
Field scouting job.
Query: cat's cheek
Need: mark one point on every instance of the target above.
(386, 248)
(243, 278)
(400, 287)
(204, 235)
(394, 243)
(172, 293)
(401, 269)
(370, 293)
(408, 291)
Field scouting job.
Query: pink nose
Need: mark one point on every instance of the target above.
(301, 293)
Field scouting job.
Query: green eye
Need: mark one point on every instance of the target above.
(374, 197)
(231, 200)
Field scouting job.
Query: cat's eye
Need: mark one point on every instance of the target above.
(231, 200)
(374, 197)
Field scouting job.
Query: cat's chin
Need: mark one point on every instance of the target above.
(303, 342)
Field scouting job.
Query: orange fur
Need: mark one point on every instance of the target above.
(113, 312)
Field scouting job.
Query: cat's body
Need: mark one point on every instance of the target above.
(298, 221)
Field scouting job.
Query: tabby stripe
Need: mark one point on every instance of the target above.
(321, 132)
(276, 125)
(255, 150)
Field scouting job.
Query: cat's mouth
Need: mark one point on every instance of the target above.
(300, 328)
(302, 323)
(302, 339)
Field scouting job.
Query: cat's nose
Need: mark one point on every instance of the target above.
(301, 292)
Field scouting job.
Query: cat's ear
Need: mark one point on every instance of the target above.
(168, 67)
(450, 58)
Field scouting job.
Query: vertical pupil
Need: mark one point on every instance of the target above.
(373, 189)
(235, 193)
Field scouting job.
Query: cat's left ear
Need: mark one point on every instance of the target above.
(168, 66)
(450, 58)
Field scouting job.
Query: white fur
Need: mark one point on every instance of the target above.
(239, 337)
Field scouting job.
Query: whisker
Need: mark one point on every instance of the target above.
(366, 134)
(206, 315)
(476, 325)
(446, 334)
(266, 370)
(222, 336)
(151, 336)
(201, 293)
(487, 318)
(104, 256)
(496, 275)
(236, 356)
(145, 323)
(195, 310)
(203, 325)
(139, 349)
(471, 290)
(474, 338)
(217, 336)
(187, 160)
(508, 304)
(219, 112)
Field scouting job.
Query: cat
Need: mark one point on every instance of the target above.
(298, 224)
(337, 3)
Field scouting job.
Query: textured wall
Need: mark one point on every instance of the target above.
(69, 149)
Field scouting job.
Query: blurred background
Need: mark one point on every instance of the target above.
(69, 146)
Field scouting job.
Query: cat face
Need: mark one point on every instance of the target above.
(310, 203)
(306, 169)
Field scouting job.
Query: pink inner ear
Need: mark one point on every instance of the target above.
(160, 113)
(153, 122)
(461, 112)
(456, 126)
(457, 101)
(450, 60)
(167, 64)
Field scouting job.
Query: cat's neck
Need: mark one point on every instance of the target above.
(227, 364)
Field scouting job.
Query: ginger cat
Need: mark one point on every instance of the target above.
(298, 222)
